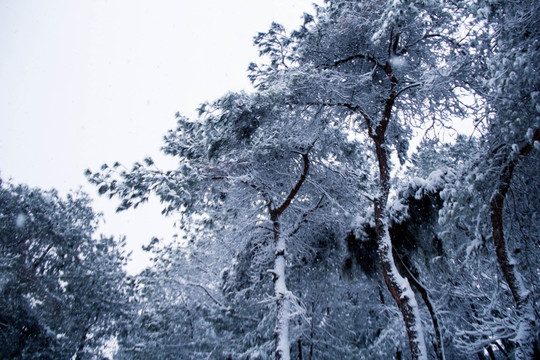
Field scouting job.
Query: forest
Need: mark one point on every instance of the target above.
(376, 196)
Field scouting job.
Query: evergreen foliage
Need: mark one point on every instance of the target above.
(63, 292)
(308, 227)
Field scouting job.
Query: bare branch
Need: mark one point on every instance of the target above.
(208, 293)
(305, 215)
(296, 188)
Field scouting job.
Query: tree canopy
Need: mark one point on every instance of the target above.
(63, 291)
(336, 211)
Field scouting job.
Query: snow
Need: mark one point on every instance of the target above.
(396, 209)
(434, 181)
(20, 220)
(280, 286)
(257, 354)
(283, 345)
(282, 295)
(530, 134)
(525, 333)
(407, 295)
(475, 244)
(34, 303)
(397, 62)
(359, 221)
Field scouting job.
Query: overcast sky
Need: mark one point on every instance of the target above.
(91, 81)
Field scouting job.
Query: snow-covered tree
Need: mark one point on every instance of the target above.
(380, 66)
(262, 176)
(505, 56)
(292, 190)
(513, 130)
(62, 290)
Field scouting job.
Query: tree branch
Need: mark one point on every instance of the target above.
(305, 215)
(208, 293)
(352, 58)
(407, 88)
(295, 189)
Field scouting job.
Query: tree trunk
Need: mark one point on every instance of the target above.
(438, 345)
(281, 331)
(490, 352)
(398, 286)
(281, 293)
(525, 337)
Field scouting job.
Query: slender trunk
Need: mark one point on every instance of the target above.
(490, 352)
(281, 331)
(504, 258)
(480, 356)
(502, 350)
(512, 276)
(398, 286)
(438, 345)
(281, 293)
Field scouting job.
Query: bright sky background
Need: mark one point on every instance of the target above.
(91, 81)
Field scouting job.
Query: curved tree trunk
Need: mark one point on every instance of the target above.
(525, 337)
(398, 286)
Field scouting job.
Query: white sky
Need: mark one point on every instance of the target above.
(83, 82)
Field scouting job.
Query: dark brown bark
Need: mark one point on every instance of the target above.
(438, 346)
(497, 207)
(511, 275)
(393, 280)
(386, 259)
(297, 187)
